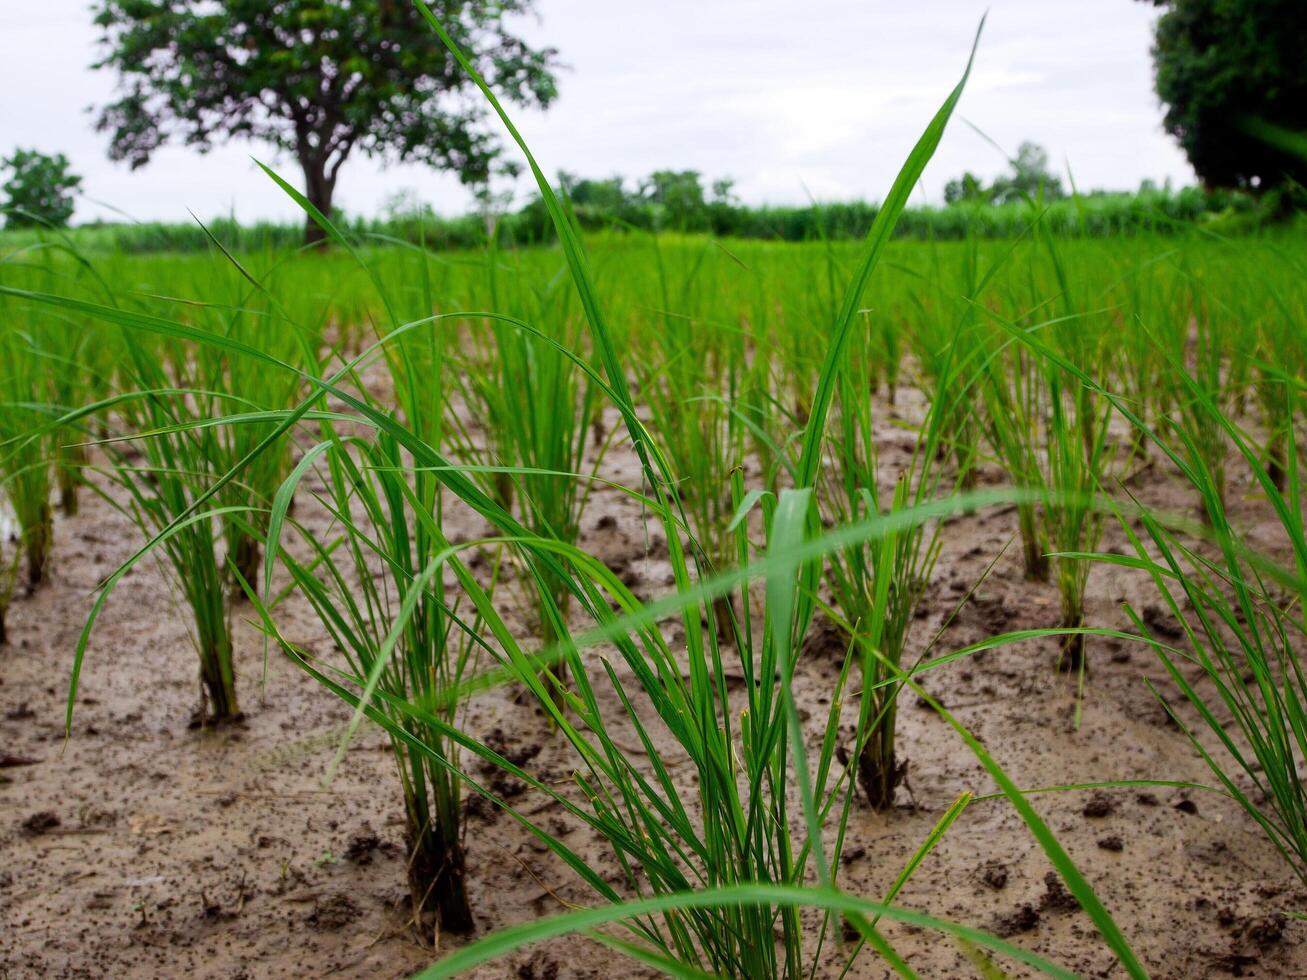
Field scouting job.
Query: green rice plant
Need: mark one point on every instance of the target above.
(1240, 612)
(261, 391)
(378, 591)
(1196, 387)
(1241, 672)
(946, 339)
(1277, 353)
(1242, 619)
(164, 457)
(67, 361)
(1012, 391)
(862, 916)
(1052, 433)
(1077, 454)
(692, 391)
(734, 826)
(540, 411)
(26, 459)
(162, 473)
(1078, 458)
(876, 586)
(665, 840)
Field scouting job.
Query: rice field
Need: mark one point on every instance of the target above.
(656, 605)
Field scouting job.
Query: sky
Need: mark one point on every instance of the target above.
(821, 99)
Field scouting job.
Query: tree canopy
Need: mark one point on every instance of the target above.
(40, 190)
(1225, 69)
(320, 79)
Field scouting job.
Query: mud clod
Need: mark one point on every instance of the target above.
(41, 822)
(1099, 805)
(1263, 930)
(995, 875)
(362, 847)
(1024, 918)
(1056, 897)
(333, 912)
(541, 968)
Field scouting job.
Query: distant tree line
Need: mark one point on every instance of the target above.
(677, 202)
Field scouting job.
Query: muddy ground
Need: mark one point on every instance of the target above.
(145, 849)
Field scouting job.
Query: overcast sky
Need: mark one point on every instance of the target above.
(820, 97)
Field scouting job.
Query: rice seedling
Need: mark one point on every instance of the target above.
(692, 390)
(1079, 457)
(165, 475)
(1078, 454)
(262, 391)
(1011, 390)
(876, 587)
(1239, 612)
(27, 460)
(1276, 399)
(951, 377)
(1243, 638)
(1202, 363)
(541, 410)
(378, 591)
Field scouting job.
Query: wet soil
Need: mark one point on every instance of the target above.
(143, 848)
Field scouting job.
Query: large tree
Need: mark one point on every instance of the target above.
(1224, 69)
(321, 79)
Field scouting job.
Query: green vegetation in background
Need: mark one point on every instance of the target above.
(1147, 213)
(40, 192)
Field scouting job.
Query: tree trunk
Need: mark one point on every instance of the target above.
(318, 188)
